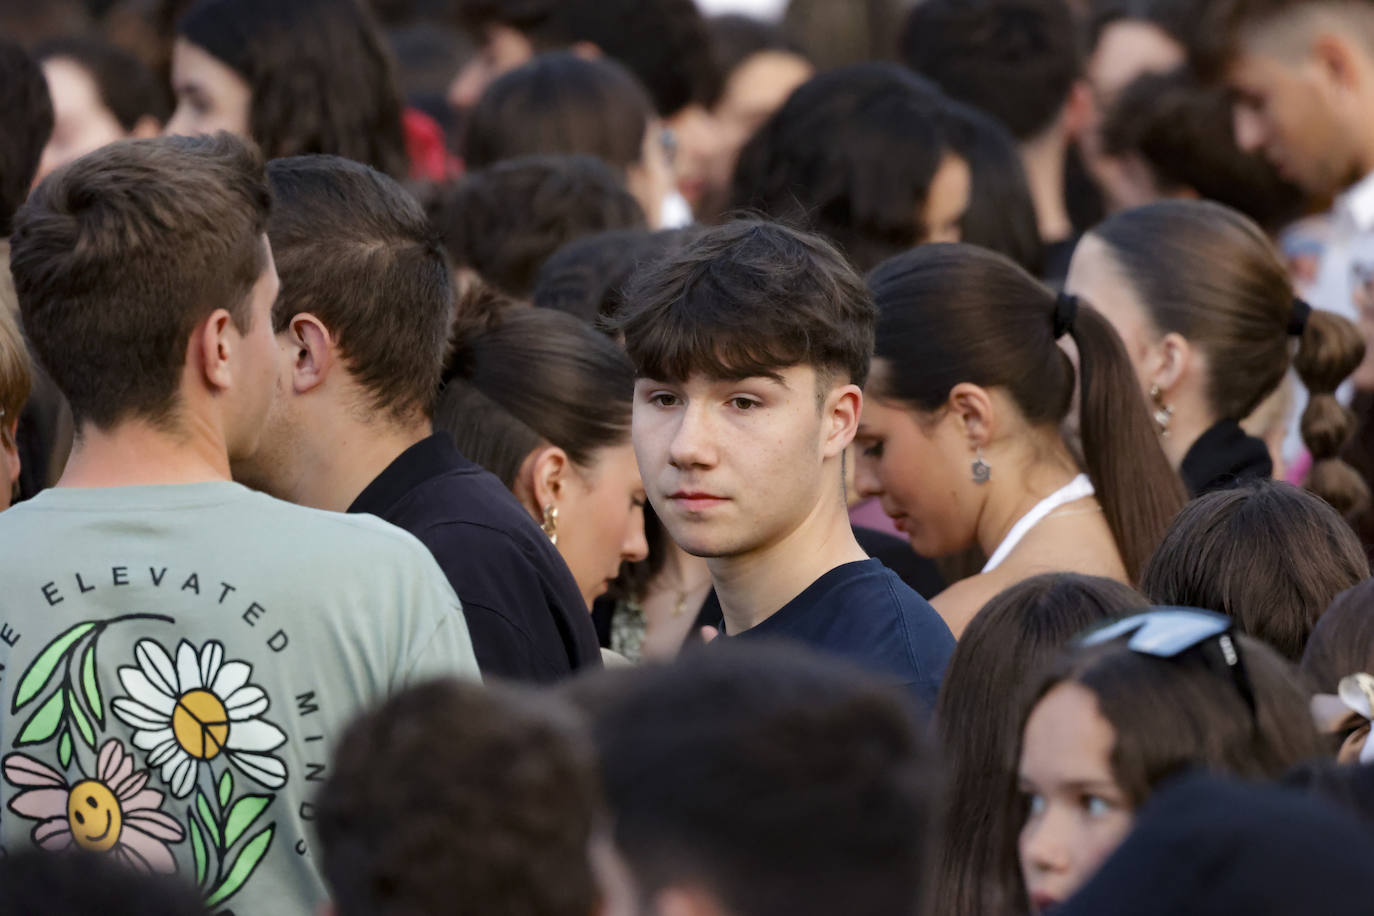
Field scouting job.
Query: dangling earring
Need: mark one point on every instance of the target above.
(982, 471)
(1164, 413)
(550, 523)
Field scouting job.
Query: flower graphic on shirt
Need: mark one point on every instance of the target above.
(112, 812)
(187, 713)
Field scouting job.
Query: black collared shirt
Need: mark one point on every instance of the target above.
(523, 608)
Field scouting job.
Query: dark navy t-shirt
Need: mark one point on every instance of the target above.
(863, 612)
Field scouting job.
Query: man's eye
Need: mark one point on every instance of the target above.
(744, 403)
(662, 400)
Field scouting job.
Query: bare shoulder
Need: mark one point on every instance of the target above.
(962, 601)
(1079, 544)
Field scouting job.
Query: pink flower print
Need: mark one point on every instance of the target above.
(114, 811)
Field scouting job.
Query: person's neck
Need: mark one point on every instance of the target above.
(337, 465)
(1043, 158)
(141, 453)
(1189, 421)
(1012, 493)
(753, 587)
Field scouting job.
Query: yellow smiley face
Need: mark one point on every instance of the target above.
(94, 815)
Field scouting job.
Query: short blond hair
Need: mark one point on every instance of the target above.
(15, 374)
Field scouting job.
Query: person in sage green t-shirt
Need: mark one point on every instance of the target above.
(177, 653)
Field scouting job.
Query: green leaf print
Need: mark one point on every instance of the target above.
(82, 724)
(245, 811)
(43, 667)
(243, 867)
(64, 750)
(43, 724)
(90, 686)
(226, 788)
(211, 825)
(197, 847)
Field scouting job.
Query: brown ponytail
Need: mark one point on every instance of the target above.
(1139, 491)
(957, 313)
(1329, 350)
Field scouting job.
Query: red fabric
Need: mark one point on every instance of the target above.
(430, 159)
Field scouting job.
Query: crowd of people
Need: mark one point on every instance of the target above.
(615, 457)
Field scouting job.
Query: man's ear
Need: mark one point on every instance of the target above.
(973, 407)
(842, 409)
(1078, 109)
(211, 348)
(313, 357)
(1337, 60)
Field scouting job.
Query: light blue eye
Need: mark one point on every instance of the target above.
(1035, 804)
(1097, 806)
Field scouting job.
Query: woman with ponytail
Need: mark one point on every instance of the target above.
(960, 435)
(1206, 308)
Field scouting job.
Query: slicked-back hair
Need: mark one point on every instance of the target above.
(662, 42)
(322, 78)
(453, 797)
(785, 783)
(560, 103)
(1017, 60)
(749, 299)
(119, 255)
(26, 113)
(356, 251)
(505, 221)
(851, 155)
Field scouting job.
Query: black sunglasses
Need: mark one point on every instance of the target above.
(1175, 632)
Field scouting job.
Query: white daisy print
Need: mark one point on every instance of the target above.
(188, 713)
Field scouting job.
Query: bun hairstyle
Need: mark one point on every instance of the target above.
(957, 313)
(1209, 274)
(523, 377)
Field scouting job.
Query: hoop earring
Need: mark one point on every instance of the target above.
(550, 523)
(982, 471)
(1164, 413)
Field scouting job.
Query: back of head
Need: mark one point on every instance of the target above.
(1001, 214)
(851, 155)
(1015, 59)
(535, 376)
(951, 314)
(1267, 555)
(322, 79)
(662, 42)
(125, 84)
(356, 251)
(76, 883)
(777, 781)
(560, 103)
(1208, 847)
(1181, 128)
(1212, 276)
(748, 299)
(503, 222)
(1005, 645)
(1342, 642)
(587, 277)
(457, 792)
(119, 255)
(1173, 715)
(26, 112)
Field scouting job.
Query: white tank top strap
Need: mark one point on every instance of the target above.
(1078, 488)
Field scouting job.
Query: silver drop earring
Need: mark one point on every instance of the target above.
(982, 471)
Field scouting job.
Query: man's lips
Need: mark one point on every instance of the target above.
(695, 501)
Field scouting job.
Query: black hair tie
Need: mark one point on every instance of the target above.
(1065, 313)
(1297, 322)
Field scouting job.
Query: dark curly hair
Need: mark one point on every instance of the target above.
(454, 797)
(321, 76)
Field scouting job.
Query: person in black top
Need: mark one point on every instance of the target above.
(362, 324)
(750, 346)
(1206, 308)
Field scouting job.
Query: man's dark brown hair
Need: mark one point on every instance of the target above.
(356, 251)
(120, 255)
(453, 797)
(749, 299)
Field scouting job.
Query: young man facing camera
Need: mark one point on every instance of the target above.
(751, 346)
(178, 653)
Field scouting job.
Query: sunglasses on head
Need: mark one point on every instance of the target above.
(1172, 633)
